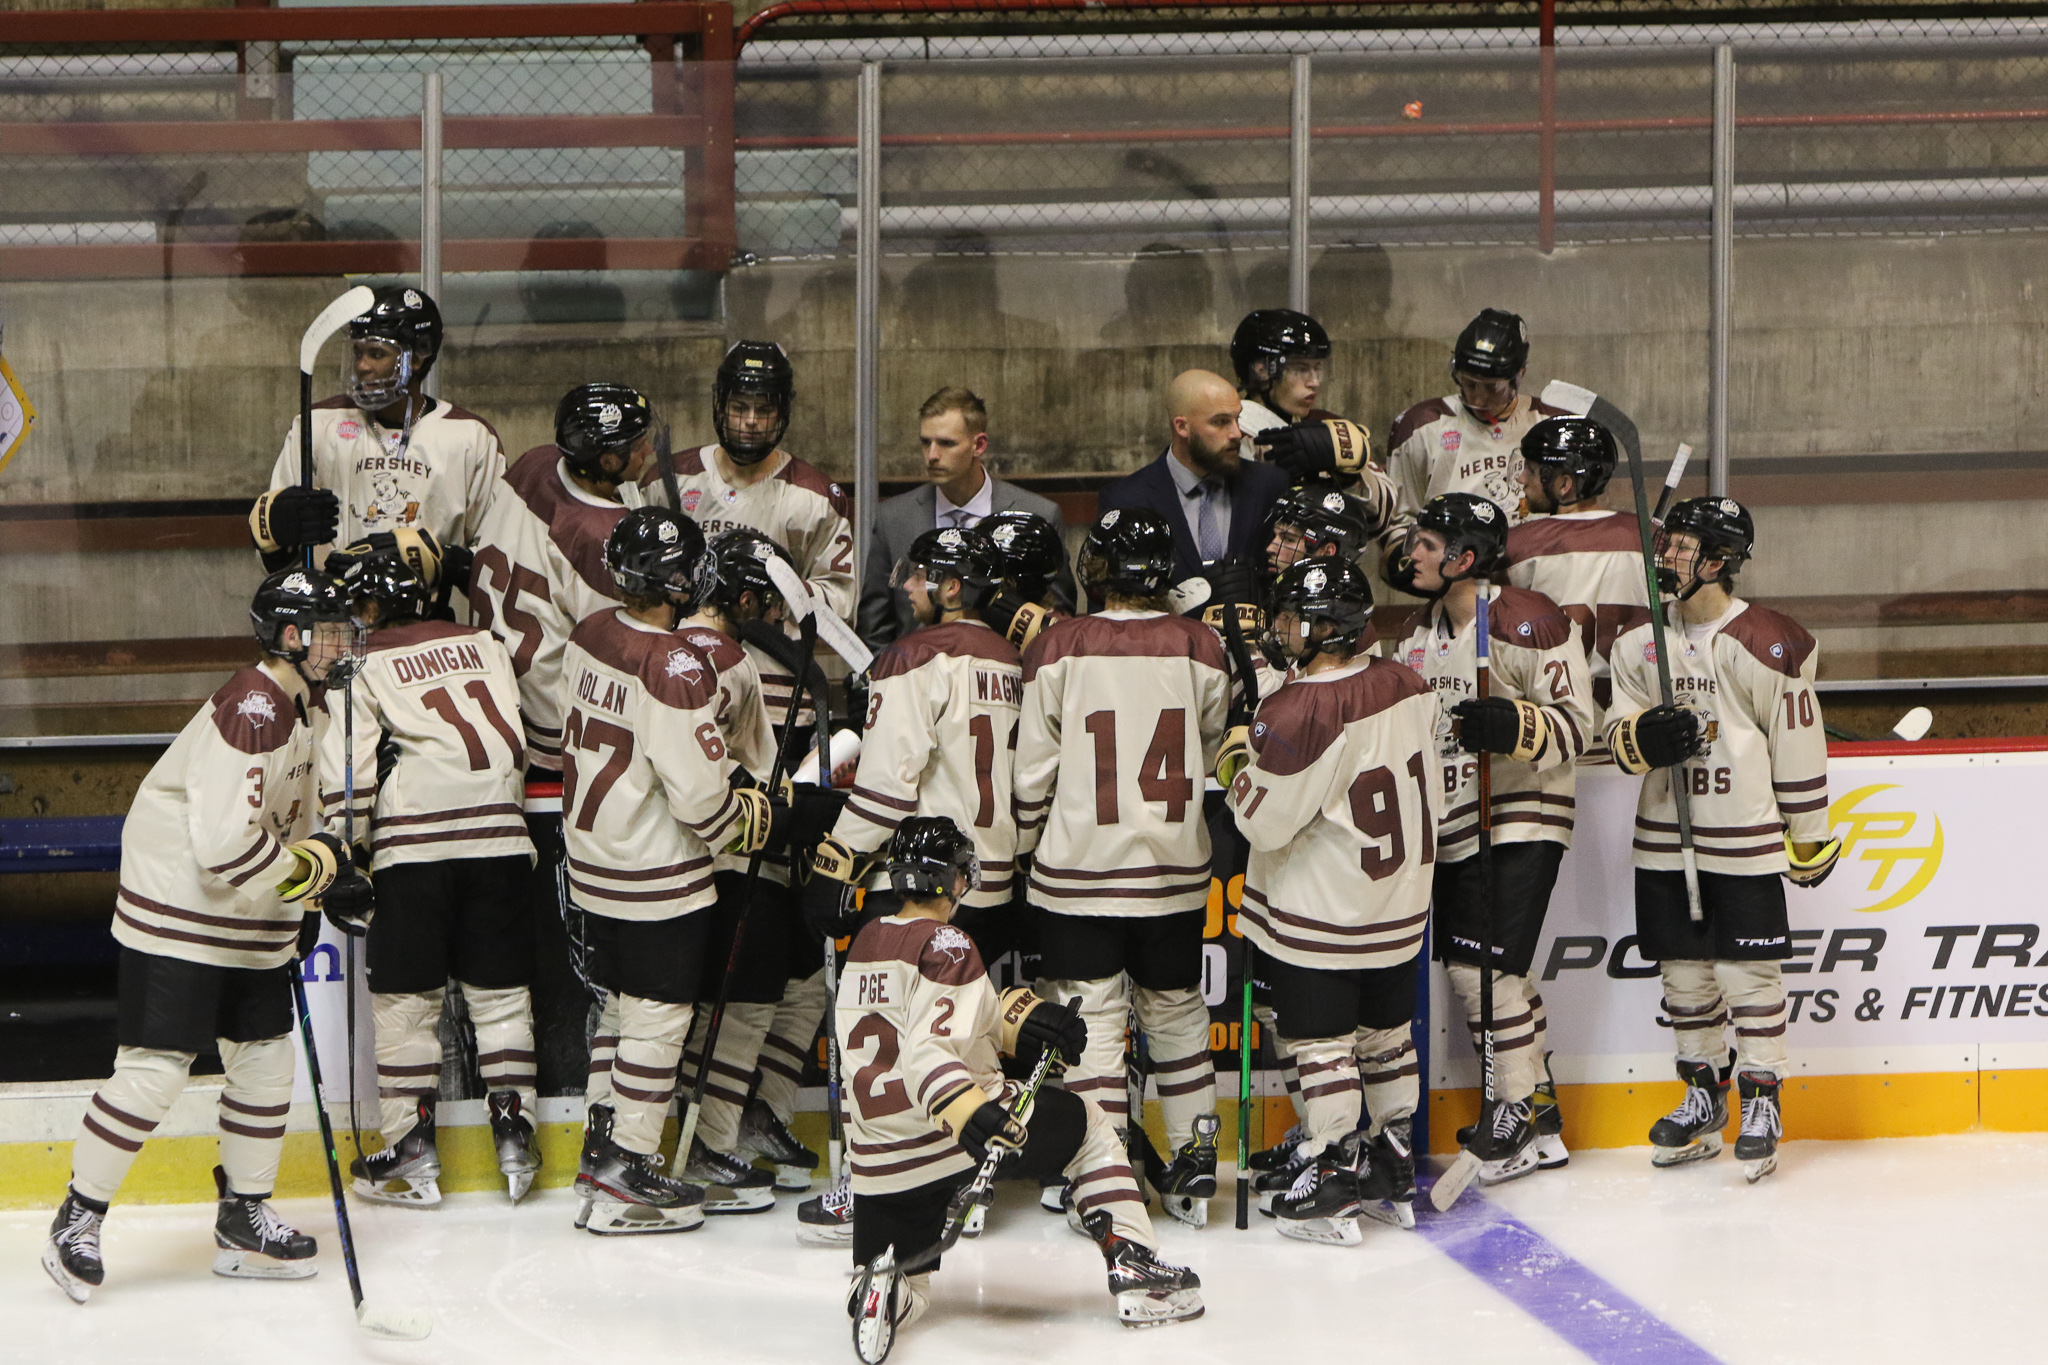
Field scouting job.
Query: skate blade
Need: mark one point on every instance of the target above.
(1704, 1150)
(517, 1183)
(421, 1193)
(813, 1235)
(793, 1177)
(1187, 1208)
(1395, 1213)
(611, 1218)
(1513, 1168)
(1136, 1309)
(722, 1200)
(976, 1220)
(1551, 1152)
(874, 1321)
(1336, 1232)
(234, 1263)
(77, 1290)
(1753, 1171)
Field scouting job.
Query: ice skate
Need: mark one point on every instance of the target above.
(730, 1183)
(597, 1132)
(1323, 1205)
(408, 1173)
(1756, 1146)
(1692, 1131)
(1052, 1193)
(518, 1152)
(1280, 1154)
(255, 1244)
(1149, 1292)
(827, 1220)
(1187, 1183)
(881, 1300)
(630, 1195)
(72, 1254)
(1386, 1191)
(1268, 1185)
(1550, 1149)
(768, 1137)
(1505, 1142)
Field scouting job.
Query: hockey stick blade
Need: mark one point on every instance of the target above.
(394, 1324)
(1453, 1182)
(833, 631)
(1671, 482)
(331, 320)
(1914, 725)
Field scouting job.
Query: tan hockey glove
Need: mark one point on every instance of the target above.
(1018, 620)
(1661, 737)
(1030, 1025)
(1812, 870)
(761, 820)
(1234, 756)
(291, 516)
(316, 862)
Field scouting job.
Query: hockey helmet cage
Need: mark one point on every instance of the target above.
(950, 552)
(295, 597)
(1724, 529)
(1467, 521)
(1494, 345)
(761, 369)
(655, 553)
(596, 420)
(1332, 591)
(1578, 446)
(1274, 336)
(736, 562)
(408, 319)
(1128, 550)
(1026, 550)
(926, 854)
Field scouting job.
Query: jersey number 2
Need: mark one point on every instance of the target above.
(877, 1101)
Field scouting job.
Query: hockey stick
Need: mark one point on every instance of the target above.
(1681, 795)
(1454, 1181)
(332, 319)
(874, 1348)
(1247, 702)
(348, 836)
(836, 634)
(835, 1141)
(664, 460)
(807, 640)
(1671, 479)
(388, 1323)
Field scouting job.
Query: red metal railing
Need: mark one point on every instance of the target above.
(814, 9)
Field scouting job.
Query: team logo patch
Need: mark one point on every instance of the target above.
(692, 498)
(1522, 629)
(683, 664)
(1415, 657)
(296, 583)
(348, 429)
(1650, 652)
(1259, 730)
(1777, 651)
(1333, 502)
(951, 538)
(1315, 581)
(1108, 519)
(412, 299)
(258, 708)
(668, 533)
(1483, 511)
(1452, 440)
(950, 941)
(1731, 507)
(609, 416)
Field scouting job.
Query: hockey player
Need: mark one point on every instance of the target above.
(1028, 557)
(1333, 790)
(219, 868)
(396, 458)
(646, 803)
(437, 774)
(920, 1022)
(1279, 354)
(1128, 707)
(1534, 725)
(1745, 736)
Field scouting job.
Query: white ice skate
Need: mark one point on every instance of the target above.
(408, 1173)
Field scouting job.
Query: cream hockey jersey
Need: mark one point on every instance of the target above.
(539, 571)
(1438, 447)
(1123, 712)
(1766, 774)
(742, 724)
(1340, 805)
(1591, 565)
(204, 846)
(941, 739)
(439, 764)
(918, 1023)
(441, 477)
(646, 798)
(1534, 657)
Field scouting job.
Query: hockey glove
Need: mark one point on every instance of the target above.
(1015, 619)
(1031, 1025)
(763, 824)
(292, 516)
(309, 933)
(1500, 725)
(349, 903)
(1234, 757)
(835, 871)
(1397, 559)
(992, 1126)
(1661, 737)
(1330, 447)
(457, 563)
(316, 863)
(1811, 871)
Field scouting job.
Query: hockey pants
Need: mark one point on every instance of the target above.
(133, 1101)
(1176, 1025)
(1368, 1071)
(1701, 999)
(789, 1042)
(1519, 1025)
(638, 1078)
(740, 1035)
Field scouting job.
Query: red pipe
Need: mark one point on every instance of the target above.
(390, 22)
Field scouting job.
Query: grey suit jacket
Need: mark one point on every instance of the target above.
(884, 611)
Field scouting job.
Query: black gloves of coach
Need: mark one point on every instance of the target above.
(1054, 1026)
(289, 517)
(992, 1125)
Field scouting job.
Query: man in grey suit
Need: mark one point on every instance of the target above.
(953, 431)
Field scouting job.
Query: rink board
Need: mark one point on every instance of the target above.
(1919, 991)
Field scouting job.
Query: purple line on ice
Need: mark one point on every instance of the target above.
(1559, 1292)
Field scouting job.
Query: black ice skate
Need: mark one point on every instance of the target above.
(1551, 1152)
(827, 1221)
(1323, 1205)
(1505, 1142)
(1386, 1189)
(1756, 1146)
(1692, 1131)
(1149, 1292)
(1270, 1184)
(255, 1244)
(768, 1137)
(1187, 1183)
(597, 1135)
(730, 1183)
(409, 1173)
(630, 1195)
(72, 1254)
(518, 1152)
(1281, 1154)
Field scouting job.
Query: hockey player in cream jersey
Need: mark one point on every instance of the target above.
(219, 868)
(1335, 790)
(1279, 356)
(921, 1024)
(1122, 715)
(1537, 721)
(646, 802)
(436, 772)
(1747, 740)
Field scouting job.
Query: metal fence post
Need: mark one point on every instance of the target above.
(1546, 151)
(1297, 188)
(430, 203)
(1720, 270)
(867, 307)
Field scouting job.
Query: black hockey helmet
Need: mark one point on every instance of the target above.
(736, 562)
(1725, 532)
(1026, 550)
(1578, 446)
(295, 597)
(960, 552)
(654, 552)
(927, 853)
(1128, 550)
(1322, 516)
(759, 368)
(408, 319)
(1335, 591)
(1467, 521)
(399, 575)
(1494, 345)
(596, 420)
(1274, 336)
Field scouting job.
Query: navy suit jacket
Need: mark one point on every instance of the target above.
(1258, 487)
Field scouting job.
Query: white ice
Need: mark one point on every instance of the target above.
(1894, 1250)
